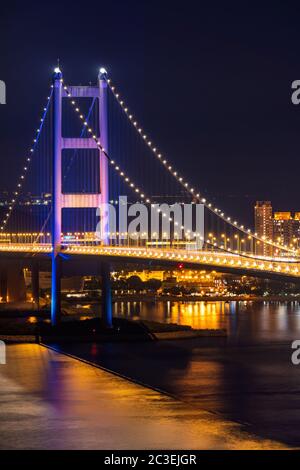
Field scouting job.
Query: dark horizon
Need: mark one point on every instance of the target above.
(211, 85)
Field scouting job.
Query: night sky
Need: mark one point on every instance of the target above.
(211, 85)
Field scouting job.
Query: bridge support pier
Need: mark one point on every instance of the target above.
(56, 197)
(56, 289)
(35, 284)
(3, 284)
(16, 288)
(103, 167)
(12, 282)
(106, 297)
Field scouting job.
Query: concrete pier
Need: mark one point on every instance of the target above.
(35, 284)
(106, 294)
(13, 288)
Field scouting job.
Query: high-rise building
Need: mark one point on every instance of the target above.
(296, 229)
(284, 228)
(263, 216)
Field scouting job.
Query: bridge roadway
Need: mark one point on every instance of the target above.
(284, 269)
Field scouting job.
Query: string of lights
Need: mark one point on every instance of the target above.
(113, 164)
(67, 170)
(227, 219)
(129, 182)
(121, 173)
(133, 186)
(17, 192)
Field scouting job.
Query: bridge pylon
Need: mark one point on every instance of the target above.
(61, 200)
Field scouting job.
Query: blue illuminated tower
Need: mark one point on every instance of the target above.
(61, 200)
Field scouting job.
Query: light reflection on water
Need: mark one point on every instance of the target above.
(243, 320)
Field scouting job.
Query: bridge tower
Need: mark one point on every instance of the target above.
(61, 200)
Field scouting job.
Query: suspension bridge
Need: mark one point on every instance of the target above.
(87, 151)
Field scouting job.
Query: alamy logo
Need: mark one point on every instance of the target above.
(295, 358)
(2, 353)
(140, 221)
(2, 92)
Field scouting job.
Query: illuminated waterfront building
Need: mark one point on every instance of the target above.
(264, 225)
(296, 228)
(283, 228)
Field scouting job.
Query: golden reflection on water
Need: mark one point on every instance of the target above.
(260, 320)
(248, 319)
(195, 314)
(32, 319)
(211, 315)
(199, 314)
(73, 405)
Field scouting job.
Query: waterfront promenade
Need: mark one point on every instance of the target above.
(51, 401)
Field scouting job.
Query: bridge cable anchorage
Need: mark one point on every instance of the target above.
(218, 212)
(17, 192)
(114, 165)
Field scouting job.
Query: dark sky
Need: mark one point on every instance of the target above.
(211, 83)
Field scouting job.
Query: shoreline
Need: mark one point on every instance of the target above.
(191, 298)
(27, 310)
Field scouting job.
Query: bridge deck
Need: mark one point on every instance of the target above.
(281, 268)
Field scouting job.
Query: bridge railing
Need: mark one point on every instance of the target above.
(35, 240)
